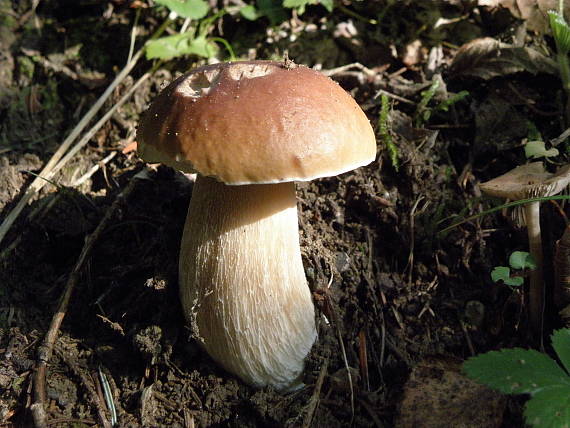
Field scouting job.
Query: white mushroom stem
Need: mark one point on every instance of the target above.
(243, 286)
(535, 297)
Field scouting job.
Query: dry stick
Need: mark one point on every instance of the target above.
(46, 348)
(92, 397)
(85, 139)
(47, 171)
(312, 407)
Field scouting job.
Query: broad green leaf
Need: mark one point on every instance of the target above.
(561, 32)
(503, 273)
(533, 132)
(328, 4)
(522, 260)
(180, 44)
(514, 281)
(194, 9)
(167, 47)
(516, 371)
(300, 5)
(549, 408)
(249, 12)
(537, 149)
(203, 47)
(296, 3)
(561, 344)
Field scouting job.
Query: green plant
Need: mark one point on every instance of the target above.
(195, 40)
(384, 131)
(276, 10)
(424, 111)
(300, 5)
(519, 260)
(561, 33)
(526, 371)
(535, 147)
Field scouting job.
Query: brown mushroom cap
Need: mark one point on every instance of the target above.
(256, 122)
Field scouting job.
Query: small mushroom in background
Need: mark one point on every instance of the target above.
(250, 129)
(524, 182)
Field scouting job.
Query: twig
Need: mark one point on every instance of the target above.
(371, 412)
(333, 71)
(93, 397)
(93, 169)
(344, 357)
(363, 357)
(133, 36)
(45, 350)
(48, 170)
(314, 401)
(393, 96)
(467, 338)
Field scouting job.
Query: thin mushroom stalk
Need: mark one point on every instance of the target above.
(244, 287)
(536, 287)
(523, 182)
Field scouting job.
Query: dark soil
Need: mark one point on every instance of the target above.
(390, 289)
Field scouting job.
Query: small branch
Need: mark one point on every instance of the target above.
(314, 401)
(45, 350)
(92, 396)
(50, 169)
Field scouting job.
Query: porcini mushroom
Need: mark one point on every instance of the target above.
(524, 182)
(250, 130)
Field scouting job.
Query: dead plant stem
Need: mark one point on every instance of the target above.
(45, 350)
(314, 401)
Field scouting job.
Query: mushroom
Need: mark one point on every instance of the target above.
(250, 130)
(524, 182)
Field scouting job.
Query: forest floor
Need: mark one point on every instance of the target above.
(405, 303)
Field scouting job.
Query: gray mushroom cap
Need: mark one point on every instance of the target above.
(528, 181)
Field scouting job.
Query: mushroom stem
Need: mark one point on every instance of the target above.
(535, 299)
(243, 286)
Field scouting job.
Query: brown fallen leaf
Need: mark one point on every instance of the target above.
(437, 395)
(531, 11)
(486, 58)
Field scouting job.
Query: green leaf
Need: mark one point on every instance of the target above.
(327, 4)
(203, 47)
(533, 132)
(194, 9)
(516, 371)
(549, 408)
(503, 273)
(445, 104)
(384, 132)
(273, 9)
(537, 149)
(560, 31)
(514, 281)
(249, 12)
(522, 260)
(561, 344)
(180, 44)
(300, 5)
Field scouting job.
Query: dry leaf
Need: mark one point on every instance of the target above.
(531, 11)
(437, 395)
(486, 58)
